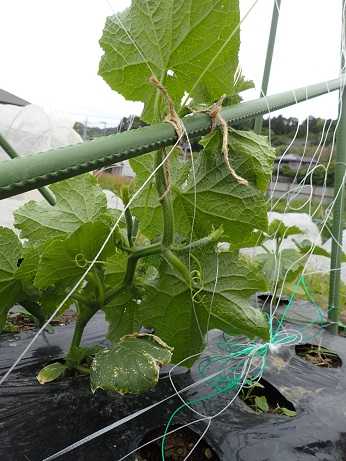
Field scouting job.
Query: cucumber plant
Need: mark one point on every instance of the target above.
(160, 279)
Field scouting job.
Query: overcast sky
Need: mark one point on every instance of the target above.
(50, 53)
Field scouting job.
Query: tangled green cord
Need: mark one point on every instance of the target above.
(237, 352)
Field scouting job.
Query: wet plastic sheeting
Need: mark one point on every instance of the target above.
(36, 420)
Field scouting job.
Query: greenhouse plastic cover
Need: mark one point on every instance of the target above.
(31, 129)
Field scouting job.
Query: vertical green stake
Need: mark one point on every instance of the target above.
(335, 263)
(268, 62)
(44, 191)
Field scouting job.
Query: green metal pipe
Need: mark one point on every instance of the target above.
(44, 191)
(268, 62)
(337, 228)
(36, 170)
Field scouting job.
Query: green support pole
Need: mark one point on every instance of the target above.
(37, 170)
(268, 62)
(44, 191)
(337, 228)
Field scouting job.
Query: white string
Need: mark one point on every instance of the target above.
(94, 261)
(209, 418)
(194, 180)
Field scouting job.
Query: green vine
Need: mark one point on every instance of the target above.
(163, 256)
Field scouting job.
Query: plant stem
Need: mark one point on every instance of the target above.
(178, 265)
(148, 250)
(34, 309)
(77, 335)
(83, 370)
(94, 279)
(162, 187)
(112, 292)
(85, 313)
(128, 215)
(130, 270)
(211, 238)
(265, 249)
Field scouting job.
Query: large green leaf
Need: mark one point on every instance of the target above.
(190, 45)
(286, 266)
(78, 201)
(220, 199)
(308, 247)
(131, 366)
(278, 229)
(49, 298)
(115, 268)
(10, 252)
(64, 261)
(167, 302)
(147, 207)
(29, 264)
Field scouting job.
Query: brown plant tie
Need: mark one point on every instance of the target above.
(173, 118)
(216, 117)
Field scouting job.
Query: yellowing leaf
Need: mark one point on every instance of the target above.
(131, 366)
(51, 372)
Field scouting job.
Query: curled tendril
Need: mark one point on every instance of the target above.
(196, 276)
(80, 260)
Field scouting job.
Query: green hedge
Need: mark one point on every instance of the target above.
(318, 175)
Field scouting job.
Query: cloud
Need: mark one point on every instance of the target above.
(50, 53)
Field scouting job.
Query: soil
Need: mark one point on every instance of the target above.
(20, 321)
(178, 446)
(318, 355)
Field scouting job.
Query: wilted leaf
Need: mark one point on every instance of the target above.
(287, 412)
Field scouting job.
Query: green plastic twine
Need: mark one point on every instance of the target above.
(239, 353)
